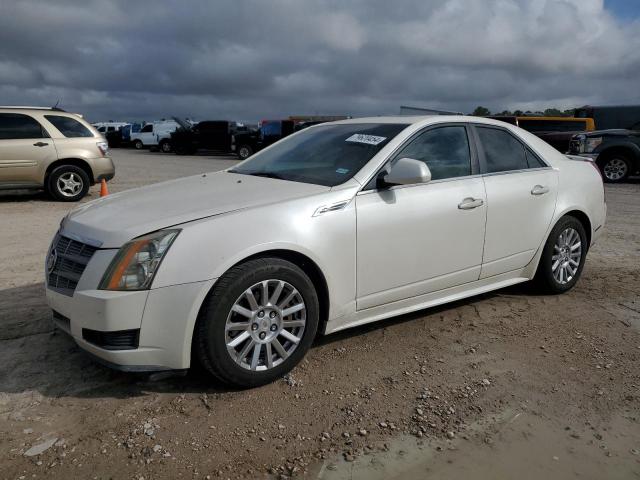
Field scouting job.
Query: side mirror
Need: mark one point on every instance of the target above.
(406, 171)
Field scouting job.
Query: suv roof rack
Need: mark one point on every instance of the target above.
(26, 107)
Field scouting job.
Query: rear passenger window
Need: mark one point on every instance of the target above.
(15, 126)
(533, 160)
(445, 150)
(502, 151)
(69, 127)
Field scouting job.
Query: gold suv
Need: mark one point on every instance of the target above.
(51, 149)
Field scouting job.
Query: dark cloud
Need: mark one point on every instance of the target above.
(255, 59)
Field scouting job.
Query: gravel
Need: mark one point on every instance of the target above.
(466, 382)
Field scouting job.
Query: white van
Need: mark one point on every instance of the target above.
(104, 127)
(152, 134)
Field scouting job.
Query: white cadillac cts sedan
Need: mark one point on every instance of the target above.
(338, 225)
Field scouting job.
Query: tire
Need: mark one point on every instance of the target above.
(256, 324)
(552, 280)
(615, 168)
(165, 146)
(138, 145)
(68, 183)
(244, 152)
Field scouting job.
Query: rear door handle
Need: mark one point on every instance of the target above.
(40, 144)
(470, 203)
(539, 190)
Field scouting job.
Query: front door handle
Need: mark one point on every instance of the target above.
(470, 203)
(539, 190)
(40, 144)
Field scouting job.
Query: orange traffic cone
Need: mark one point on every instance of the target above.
(104, 191)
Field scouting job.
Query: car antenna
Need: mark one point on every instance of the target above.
(56, 108)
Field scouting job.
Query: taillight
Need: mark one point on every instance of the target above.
(103, 147)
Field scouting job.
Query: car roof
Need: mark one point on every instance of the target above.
(419, 120)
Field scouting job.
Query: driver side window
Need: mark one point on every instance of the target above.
(445, 150)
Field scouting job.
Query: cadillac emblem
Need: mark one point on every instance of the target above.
(51, 260)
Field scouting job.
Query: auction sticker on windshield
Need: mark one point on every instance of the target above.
(368, 139)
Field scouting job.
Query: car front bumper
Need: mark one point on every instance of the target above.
(162, 320)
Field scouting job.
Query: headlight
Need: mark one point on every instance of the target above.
(592, 144)
(135, 265)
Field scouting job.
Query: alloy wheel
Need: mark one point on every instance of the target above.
(567, 255)
(615, 169)
(244, 152)
(265, 325)
(69, 184)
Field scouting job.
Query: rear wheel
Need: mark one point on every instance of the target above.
(165, 146)
(563, 256)
(138, 144)
(257, 323)
(68, 183)
(615, 168)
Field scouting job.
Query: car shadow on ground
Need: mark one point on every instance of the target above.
(37, 357)
(7, 196)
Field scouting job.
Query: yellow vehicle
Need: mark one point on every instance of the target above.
(51, 149)
(556, 131)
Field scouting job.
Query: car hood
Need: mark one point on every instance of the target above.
(115, 219)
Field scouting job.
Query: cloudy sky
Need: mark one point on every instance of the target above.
(248, 60)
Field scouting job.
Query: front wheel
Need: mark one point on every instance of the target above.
(244, 152)
(563, 256)
(138, 144)
(257, 323)
(615, 169)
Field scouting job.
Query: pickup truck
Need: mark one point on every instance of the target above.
(616, 152)
(246, 144)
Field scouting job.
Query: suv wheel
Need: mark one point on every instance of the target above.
(138, 144)
(615, 168)
(258, 322)
(563, 256)
(165, 146)
(244, 152)
(68, 183)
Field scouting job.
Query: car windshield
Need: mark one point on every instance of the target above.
(324, 155)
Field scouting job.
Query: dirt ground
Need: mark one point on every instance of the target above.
(504, 385)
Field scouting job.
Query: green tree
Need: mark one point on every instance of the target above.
(553, 112)
(481, 112)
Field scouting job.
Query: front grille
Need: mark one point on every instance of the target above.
(70, 258)
(118, 340)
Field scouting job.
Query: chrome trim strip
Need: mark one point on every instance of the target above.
(80, 238)
(398, 187)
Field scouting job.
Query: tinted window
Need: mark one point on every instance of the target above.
(69, 127)
(552, 125)
(147, 128)
(271, 128)
(16, 126)
(102, 129)
(533, 161)
(445, 150)
(325, 155)
(502, 151)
